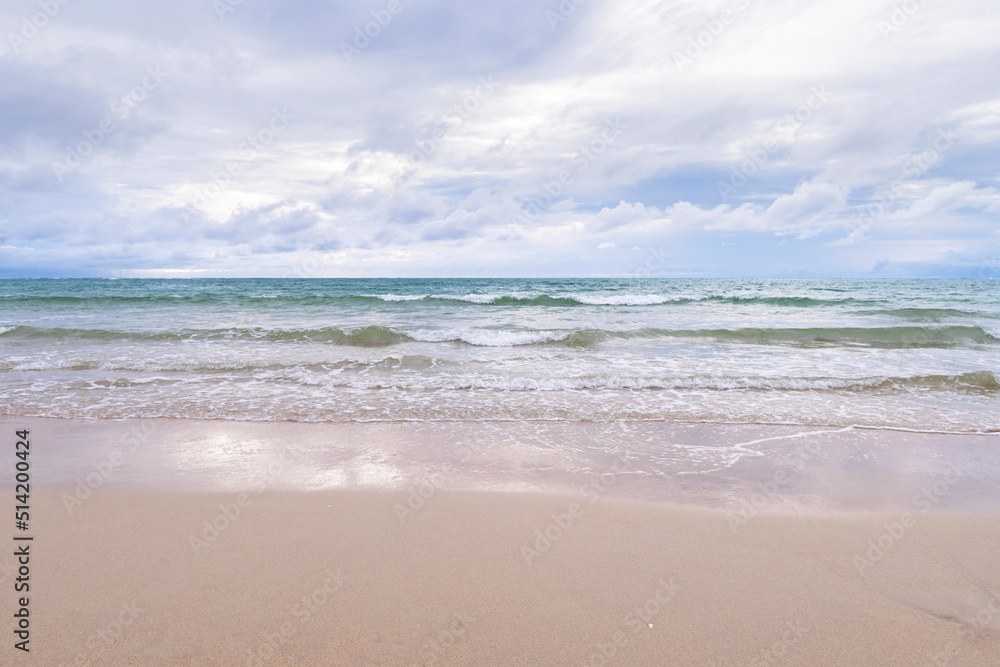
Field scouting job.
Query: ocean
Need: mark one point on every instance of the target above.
(920, 355)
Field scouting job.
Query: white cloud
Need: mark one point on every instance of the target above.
(622, 215)
(342, 169)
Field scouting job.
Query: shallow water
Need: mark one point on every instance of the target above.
(911, 354)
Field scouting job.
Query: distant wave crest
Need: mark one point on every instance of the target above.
(486, 299)
(378, 336)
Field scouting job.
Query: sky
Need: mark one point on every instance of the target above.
(303, 138)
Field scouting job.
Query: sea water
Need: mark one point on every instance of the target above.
(908, 354)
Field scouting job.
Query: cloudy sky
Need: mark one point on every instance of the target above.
(519, 138)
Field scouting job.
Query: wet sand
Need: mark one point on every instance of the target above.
(254, 561)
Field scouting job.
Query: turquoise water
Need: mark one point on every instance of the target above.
(920, 354)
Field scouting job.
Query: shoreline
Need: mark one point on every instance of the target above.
(684, 422)
(717, 466)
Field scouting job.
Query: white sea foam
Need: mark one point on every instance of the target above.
(485, 337)
(623, 299)
(400, 297)
(584, 299)
(476, 298)
(311, 398)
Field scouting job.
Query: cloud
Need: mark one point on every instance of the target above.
(806, 211)
(944, 199)
(624, 214)
(526, 169)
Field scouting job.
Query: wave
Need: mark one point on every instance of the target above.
(927, 314)
(420, 373)
(486, 299)
(879, 337)
(871, 305)
(977, 382)
(477, 299)
(378, 336)
(577, 299)
(372, 336)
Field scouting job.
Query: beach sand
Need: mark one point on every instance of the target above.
(419, 576)
(452, 584)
